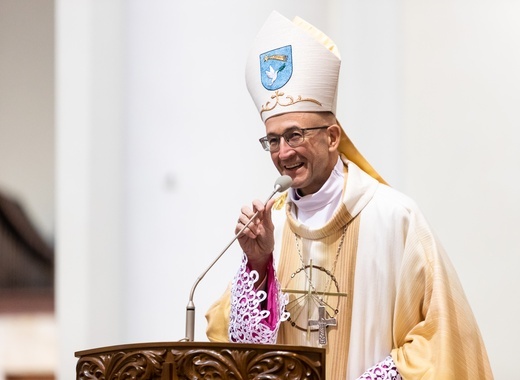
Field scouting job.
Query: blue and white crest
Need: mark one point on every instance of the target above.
(276, 67)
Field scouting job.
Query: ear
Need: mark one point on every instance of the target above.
(334, 132)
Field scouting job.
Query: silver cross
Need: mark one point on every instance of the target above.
(322, 324)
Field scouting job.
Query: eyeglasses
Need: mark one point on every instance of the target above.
(294, 137)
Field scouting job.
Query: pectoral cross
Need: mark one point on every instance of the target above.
(310, 293)
(322, 322)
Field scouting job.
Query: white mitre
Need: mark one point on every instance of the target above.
(294, 67)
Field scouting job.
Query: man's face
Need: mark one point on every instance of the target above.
(309, 164)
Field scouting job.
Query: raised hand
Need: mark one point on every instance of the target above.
(257, 240)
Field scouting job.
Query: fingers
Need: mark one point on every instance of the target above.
(248, 213)
(258, 206)
(254, 231)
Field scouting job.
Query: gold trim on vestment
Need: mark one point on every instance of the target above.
(327, 236)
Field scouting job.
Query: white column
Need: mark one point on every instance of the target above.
(88, 176)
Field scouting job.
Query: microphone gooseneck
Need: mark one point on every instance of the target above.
(281, 184)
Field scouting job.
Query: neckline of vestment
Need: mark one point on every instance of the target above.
(329, 194)
(358, 190)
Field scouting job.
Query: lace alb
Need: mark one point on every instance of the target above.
(384, 370)
(248, 322)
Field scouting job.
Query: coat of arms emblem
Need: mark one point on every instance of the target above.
(276, 67)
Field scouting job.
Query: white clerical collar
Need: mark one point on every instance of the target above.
(316, 209)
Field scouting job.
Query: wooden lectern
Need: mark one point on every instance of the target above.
(201, 360)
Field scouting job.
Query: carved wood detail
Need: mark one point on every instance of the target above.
(189, 360)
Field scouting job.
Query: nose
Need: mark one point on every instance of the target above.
(285, 149)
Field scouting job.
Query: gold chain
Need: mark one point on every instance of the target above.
(298, 238)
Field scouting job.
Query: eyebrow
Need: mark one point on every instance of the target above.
(284, 131)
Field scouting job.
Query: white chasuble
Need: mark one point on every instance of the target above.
(403, 295)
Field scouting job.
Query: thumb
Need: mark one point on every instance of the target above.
(268, 208)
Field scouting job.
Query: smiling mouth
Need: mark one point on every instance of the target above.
(293, 166)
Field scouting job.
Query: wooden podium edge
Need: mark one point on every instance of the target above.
(190, 360)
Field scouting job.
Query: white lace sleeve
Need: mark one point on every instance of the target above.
(384, 370)
(248, 322)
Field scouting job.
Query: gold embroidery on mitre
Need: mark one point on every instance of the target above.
(290, 101)
(276, 57)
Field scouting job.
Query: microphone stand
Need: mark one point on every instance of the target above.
(190, 308)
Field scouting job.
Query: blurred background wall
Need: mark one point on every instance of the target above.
(28, 333)
(127, 132)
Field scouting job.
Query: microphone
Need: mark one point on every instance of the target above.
(280, 185)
